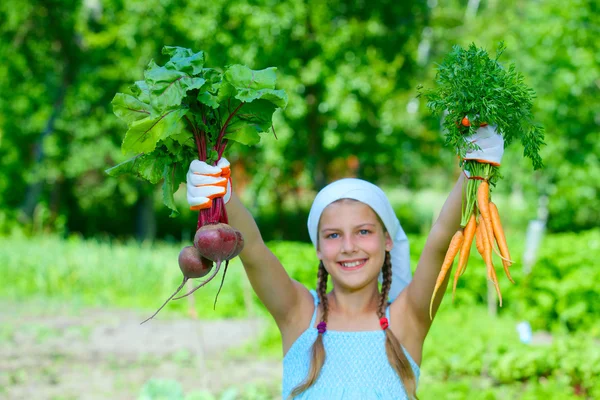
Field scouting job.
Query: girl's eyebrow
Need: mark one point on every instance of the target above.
(367, 224)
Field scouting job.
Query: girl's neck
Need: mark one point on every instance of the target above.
(354, 303)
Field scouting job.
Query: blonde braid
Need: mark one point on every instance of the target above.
(394, 350)
(318, 350)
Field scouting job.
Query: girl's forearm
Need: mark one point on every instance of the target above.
(448, 222)
(430, 263)
(241, 219)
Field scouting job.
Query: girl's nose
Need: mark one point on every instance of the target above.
(348, 245)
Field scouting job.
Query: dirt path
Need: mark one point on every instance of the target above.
(102, 354)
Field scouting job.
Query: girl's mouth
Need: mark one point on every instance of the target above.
(353, 264)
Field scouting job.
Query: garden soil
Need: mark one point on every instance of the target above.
(90, 353)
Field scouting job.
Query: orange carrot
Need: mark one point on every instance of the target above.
(453, 249)
(479, 239)
(465, 250)
(487, 251)
(465, 122)
(487, 257)
(483, 203)
(469, 233)
(500, 239)
(496, 285)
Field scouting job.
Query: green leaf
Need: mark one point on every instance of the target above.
(254, 91)
(208, 93)
(212, 75)
(258, 114)
(129, 109)
(226, 92)
(147, 166)
(169, 87)
(250, 120)
(243, 133)
(141, 90)
(184, 60)
(242, 77)
(277, 97)
(184, 138)
(212, 156)
(143, 135)
(169, 188)
(208, 99)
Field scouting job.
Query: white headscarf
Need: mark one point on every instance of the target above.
(373, 196)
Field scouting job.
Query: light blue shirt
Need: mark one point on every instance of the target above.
(356, 365)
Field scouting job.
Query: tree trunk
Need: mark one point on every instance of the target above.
(34, 189)
(315, 140)
(472, 8)
(69, 55)
(316, 160)
(145, 218)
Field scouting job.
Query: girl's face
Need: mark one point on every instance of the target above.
(352, 243)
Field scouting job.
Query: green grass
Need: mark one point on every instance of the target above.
(561, 291)
(131, 275)
(468, 354)
(101, 273)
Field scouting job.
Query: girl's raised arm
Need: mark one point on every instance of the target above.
(420, 290)
(280, 294)
(442, 241)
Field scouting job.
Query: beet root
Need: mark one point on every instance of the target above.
(216, 270)
(218, 242)
(212, 243)
(192, 264)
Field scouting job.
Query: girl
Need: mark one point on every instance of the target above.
(350, 343)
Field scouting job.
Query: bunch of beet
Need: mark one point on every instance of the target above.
(211, 107)
(213, 242)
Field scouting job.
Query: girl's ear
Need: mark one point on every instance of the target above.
(389, 243)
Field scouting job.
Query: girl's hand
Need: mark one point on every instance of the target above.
(206, 182)
(491, 146)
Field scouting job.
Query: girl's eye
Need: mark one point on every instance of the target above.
(364, 231)
(332, 236)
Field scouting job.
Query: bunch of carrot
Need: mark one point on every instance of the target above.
(472, 90)
(480, 221)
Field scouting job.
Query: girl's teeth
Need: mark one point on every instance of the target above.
(352, 264)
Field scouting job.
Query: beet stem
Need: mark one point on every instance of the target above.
(218, 264)
(165, 303)
(222, 280)
(224, 127)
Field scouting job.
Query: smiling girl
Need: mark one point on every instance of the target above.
(361, 340)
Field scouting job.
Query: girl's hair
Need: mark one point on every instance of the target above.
(396, 356)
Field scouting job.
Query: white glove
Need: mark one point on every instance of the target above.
(491, 144)
(206, 182)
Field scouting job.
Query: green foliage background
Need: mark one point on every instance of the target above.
(351, 70)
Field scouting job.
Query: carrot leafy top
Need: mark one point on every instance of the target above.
(184, 111)
(470, 83)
